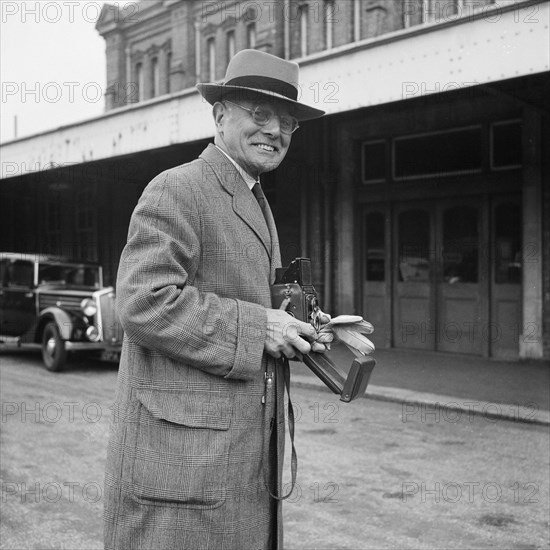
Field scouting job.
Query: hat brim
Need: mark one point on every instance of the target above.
(216, 92)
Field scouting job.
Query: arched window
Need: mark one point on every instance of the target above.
(155, 77)
(168, 68)
(251, 35)
(231, 47)
(303, 12)
(328, 21)
(140, 83)
(211, 49)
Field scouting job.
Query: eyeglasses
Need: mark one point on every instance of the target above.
(262, 116)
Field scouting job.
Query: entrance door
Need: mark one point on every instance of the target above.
(436, 293)
(506, 314)
(459, 325)
(450, 277)
(376, 274)
(413, 297)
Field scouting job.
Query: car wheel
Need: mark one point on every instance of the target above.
(54, 353)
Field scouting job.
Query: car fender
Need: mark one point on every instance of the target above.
(65, 322)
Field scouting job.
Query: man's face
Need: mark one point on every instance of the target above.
(255, 148)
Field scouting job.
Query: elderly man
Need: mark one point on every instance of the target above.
(195, 453)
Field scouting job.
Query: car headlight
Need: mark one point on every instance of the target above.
(92, 334)
(88, 306)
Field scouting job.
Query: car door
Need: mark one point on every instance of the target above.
(17, 301)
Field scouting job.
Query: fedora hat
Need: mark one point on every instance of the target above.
(260, 74)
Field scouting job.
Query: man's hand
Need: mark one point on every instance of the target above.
(286, 335)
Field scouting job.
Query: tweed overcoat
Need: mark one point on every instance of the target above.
(197, 401)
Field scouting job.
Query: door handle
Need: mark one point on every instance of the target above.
(28, 294)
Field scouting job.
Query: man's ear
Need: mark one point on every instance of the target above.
(219, 112)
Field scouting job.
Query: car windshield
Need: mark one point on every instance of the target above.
(69, 274)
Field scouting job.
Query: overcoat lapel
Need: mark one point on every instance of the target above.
(245, 204)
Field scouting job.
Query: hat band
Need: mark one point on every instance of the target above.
(266, 83)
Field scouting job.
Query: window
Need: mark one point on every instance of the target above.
(508, 251)
(155, 77)
(251, 35)
(303, 16)
(329, 23)
(374, 161)
(412, 13)
(230, 45)
(452, 9)
(168, 69)
(416, 12)
(428, 11)
(439, 153)
(69, 274)
(506, 145)
(432, 11)
(414, 246)
(356, 20)
(211, 49)
(3, 272)
(414, 260)
(375, 247)
(460, 245)
(20, 273)
(140, 82)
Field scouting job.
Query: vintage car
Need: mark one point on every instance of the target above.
(57, 304)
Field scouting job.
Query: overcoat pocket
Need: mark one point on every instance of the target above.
(181, 448)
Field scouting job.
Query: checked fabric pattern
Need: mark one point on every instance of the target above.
(189, 454)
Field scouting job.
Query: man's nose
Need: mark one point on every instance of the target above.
(273, 127)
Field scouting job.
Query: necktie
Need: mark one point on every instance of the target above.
(260, 197)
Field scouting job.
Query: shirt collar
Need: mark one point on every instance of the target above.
(249, 180)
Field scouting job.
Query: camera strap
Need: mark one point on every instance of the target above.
(291, 423)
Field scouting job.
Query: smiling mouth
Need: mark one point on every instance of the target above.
(266, 147)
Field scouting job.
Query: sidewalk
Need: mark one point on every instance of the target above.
(513, 390)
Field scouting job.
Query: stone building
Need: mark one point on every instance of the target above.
(423, 197)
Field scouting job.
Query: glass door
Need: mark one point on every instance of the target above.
(444, 275)
(413, 300)
(376, 277)
(459, 327)
(506, 315)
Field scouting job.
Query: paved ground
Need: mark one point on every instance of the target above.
(372, 474)
(465, 376)
(372, 478)
(516, 390)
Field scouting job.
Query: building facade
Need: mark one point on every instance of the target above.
(423, 197)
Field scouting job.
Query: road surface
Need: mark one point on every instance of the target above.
(371, 474)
